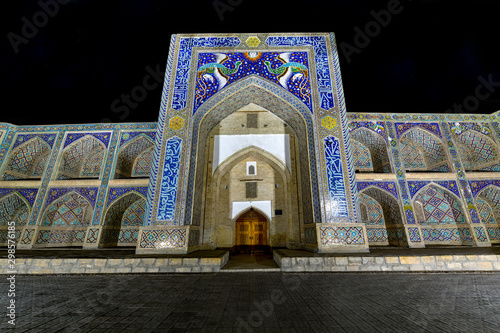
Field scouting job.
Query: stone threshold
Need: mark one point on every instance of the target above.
(40, 266)
(303, 261)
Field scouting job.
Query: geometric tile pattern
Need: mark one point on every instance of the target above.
(28, 160)
(134, 158)
(387, 185)
(194, 237)
(92, 236)
(377, 235)
(27, 193)
(377, 147)
(477, 185)
(142, 165)
(422, 150)
(439, 207)
(89, 193)
(480, 234)
(163, 238)
(342, 235)
(371, 211)
(68, 237)
(431, 127)
(488, 205)
(485, 212)
(72, 209)
(102, 137)
(441, 234)
(128, 236)
(134, 215)
(389, 204)
(127, 136)
(118, 192)
(13, 208)
(28, 236)
(414, 235)
(477, 150)
(82, 159)
(361, 158)
(115, 214)
(493, 233)
(415, 186)
(22, 138)
(310, 235)
(412, 157)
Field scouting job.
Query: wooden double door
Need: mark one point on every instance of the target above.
(251, 232)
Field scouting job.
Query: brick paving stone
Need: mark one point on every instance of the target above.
(242, 302)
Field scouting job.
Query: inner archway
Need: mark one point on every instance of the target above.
(295, 121)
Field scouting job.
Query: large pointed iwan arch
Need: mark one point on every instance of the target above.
(281, 103)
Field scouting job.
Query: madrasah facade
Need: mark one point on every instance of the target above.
(254, 149)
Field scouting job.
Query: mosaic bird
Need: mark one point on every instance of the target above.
(286, 70)
(218, 70)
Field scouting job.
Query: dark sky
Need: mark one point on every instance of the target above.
(430, 56)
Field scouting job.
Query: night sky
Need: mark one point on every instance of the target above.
(429, 57)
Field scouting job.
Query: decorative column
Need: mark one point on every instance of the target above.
(476, 233)
(96, 235)
(31, 229)
(409, 232)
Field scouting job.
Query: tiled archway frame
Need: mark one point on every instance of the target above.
(458, 233)
(167, 188)
(398, 233)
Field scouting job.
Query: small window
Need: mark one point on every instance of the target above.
(251, 168)
(252, 120)
(278, 212)
(251, 190)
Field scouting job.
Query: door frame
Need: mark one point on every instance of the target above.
(252, 248)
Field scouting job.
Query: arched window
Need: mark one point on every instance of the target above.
(251, 168)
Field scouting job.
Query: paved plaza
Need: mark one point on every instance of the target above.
(257, 302)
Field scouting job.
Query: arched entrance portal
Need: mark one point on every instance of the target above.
(251, 232)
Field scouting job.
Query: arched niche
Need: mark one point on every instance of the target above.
(134, 158)
(488, 208)
(64, 222)
(363, 140)
(28, 160)
(477, 151)
(441, 215)
(391, 217)
(122, 220)
(82, 159)
(422, 150)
